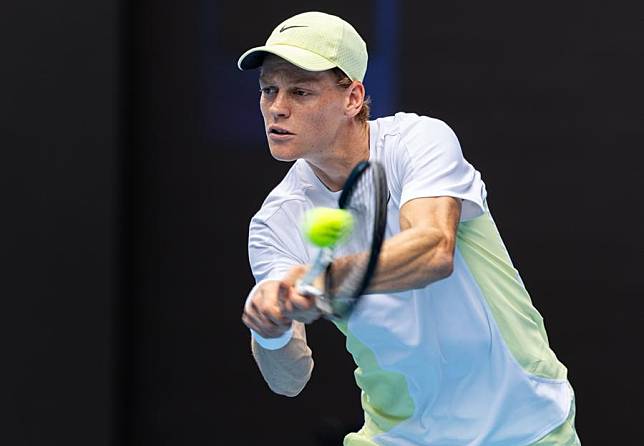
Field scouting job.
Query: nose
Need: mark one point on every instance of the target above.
(279, 107)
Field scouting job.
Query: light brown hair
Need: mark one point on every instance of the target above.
(344, 81)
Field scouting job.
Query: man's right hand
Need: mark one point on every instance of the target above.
(264, 311)
(276, 304)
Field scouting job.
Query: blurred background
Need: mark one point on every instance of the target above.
(133, 157)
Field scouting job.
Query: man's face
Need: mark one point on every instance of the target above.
(303, 110)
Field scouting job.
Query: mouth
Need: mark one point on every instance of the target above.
(274, 130)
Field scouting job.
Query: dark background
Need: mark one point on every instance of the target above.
(133, 157)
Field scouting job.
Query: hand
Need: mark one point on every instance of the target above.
(264, 314)
(276, 303)
(296, 306)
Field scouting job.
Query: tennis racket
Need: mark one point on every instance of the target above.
(350, 265)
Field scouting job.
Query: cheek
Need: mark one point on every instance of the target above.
(326, 116)
(262, 109)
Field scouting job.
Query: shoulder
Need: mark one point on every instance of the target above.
(271, 238)
(409, 125)
(285, 201)
(424, 131)
(402, 138)
(410, 134)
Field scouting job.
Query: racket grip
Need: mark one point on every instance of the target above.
(323, 258)
(321, 301)
(305, 287)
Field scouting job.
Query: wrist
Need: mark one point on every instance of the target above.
(273, 343)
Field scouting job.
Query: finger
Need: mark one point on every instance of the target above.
(265, 310)
(284, 292)
(251, 322)
(256, 321)
(307, 316)
(294, 274)
(264, 328)
(287, 308)
(302, 302)
(266, 307)
(271, 312)
(257, 316)
(275, 314)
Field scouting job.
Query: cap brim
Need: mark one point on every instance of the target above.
(299, 57)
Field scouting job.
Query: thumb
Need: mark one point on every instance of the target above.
(293, 275)
(284, 292)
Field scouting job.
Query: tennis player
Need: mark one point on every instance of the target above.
(448, 346)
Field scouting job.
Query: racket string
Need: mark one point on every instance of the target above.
(356, 249)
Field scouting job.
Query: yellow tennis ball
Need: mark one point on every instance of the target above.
(325, 227)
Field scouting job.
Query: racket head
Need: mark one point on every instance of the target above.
(365, 195)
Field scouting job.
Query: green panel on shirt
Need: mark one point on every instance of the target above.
(382, 391)
(520, 324)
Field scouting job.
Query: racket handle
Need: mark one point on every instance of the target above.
(305, 287)
(321, 301)
(323, 258)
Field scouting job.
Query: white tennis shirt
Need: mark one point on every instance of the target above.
(463, 361)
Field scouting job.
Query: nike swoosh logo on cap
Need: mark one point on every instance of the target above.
(284, 28)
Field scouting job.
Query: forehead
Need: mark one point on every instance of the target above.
(274, 67)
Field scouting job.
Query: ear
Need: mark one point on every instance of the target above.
(355, 98)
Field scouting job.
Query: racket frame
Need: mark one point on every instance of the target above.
(330, 307)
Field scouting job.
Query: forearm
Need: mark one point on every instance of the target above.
(288, 369)
(411, 259)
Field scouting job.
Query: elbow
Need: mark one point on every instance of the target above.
(443, 261)
(291, 381)
(440, 264)
(286, 370)
(292, 386)
(445, 266)
(289, 392)
(439, 268)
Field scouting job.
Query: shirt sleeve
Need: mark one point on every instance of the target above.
(433, 165)
(274, 246)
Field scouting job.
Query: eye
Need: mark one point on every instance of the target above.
(298, 92)
(268, 91)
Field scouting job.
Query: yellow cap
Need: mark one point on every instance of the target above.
(313, 41)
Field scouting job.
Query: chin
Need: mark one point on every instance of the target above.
(286, 159)
(282, 154)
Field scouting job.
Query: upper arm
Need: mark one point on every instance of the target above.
(440, 215)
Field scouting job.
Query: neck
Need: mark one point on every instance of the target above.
(334, 167)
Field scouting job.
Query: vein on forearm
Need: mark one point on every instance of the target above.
(411, 259)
